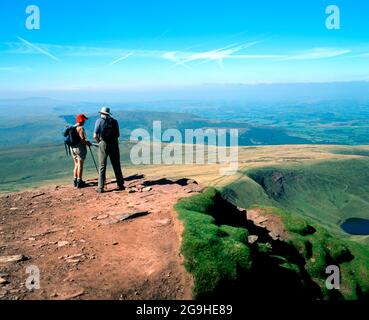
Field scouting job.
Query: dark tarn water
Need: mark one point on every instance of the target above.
(356, 226)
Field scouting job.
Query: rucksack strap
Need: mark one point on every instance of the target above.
(67, 150)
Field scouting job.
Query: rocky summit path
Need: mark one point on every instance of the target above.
(116, 245)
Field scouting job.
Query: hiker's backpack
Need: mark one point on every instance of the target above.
(71, 136)
(109, 130)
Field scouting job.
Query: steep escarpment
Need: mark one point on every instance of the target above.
(328, 191)
(265, 253)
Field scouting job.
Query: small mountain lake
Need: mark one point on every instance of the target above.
(356, 226)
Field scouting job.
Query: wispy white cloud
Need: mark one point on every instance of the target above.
(79, 51)
(231, 52)
(38, 49)
(183, 58)
(317, 53)
(217, 55)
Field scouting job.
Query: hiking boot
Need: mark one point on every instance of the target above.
(98, 190)
(75, 183)
(81, 184)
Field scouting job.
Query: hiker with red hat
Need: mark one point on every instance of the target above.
(79, 150)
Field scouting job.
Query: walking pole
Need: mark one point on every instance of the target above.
(93, 158)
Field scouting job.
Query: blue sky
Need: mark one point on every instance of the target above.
(125, 44)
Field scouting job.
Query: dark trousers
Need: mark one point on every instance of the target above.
(110, 150)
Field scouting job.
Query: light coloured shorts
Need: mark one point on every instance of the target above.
(79, 152)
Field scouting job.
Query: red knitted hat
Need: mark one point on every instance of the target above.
(81, 118)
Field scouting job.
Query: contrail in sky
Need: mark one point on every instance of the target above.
(37, 48)
(122, 58)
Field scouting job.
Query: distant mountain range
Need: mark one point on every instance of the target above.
(276, 92)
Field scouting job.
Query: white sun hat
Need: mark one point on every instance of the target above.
(105, 110)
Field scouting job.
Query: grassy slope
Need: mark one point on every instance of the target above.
(329, 191)
(321, 249)
(32, 166)
(216, 252)
(224, 264)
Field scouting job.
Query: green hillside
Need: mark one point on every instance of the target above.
(327, 191)
(223, 262)
(31, 166)
(34, 129)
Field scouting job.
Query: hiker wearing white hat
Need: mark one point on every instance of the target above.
(106, 134)
(105, 111)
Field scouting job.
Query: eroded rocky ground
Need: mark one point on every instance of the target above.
(117, 245)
